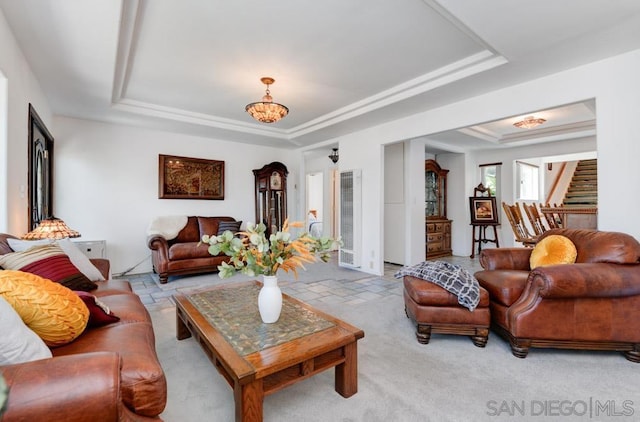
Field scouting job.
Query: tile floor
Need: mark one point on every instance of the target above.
(321, 284)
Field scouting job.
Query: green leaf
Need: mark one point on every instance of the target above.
(214, 249)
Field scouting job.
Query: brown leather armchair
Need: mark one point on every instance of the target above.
(591, 304)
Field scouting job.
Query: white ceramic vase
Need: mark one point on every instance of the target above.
(270, 299)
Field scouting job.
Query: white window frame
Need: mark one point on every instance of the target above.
(527, 181)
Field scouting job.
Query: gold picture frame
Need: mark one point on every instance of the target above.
(190, 178)
(483, 210)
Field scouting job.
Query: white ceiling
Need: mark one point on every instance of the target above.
(191, 66)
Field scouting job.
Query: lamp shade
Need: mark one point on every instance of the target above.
(51, 228)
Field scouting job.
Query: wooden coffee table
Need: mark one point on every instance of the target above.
(258, 359)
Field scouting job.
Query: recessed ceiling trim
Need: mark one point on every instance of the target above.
(184, 116)
(573, 130)
(130, 22)
(481, 133)
(466, 67)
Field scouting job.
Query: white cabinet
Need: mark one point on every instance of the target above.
(92, 248)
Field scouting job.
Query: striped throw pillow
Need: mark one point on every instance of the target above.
(233, 226)
(50, 262)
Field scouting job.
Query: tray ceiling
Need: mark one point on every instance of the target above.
(192, 66)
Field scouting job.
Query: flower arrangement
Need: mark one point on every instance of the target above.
(253, 254)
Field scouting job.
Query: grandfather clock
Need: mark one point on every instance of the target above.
(271, 195)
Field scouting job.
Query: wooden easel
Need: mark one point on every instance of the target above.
(481, 228)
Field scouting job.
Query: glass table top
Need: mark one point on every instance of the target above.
(233, 311)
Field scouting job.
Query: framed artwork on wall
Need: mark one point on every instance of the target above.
(190, 178)
(40, 176)
(483, 210)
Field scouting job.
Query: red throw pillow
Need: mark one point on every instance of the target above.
(99, 313)
(50, 262)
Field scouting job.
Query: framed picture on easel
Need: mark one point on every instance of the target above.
(483, 210)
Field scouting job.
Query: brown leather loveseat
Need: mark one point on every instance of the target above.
(185, 254)
(591, 304)
(108, 373)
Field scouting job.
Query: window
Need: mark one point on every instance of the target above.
(489, 177)
(527, 178)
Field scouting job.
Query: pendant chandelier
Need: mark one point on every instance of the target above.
(266, 111)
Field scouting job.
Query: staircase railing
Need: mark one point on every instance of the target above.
(555, 183)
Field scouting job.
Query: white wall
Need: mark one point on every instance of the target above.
(611, 82)
(4, 161)
(22, 88)
(363, 150)
(415, 188)
(457, 211)
(394, 204)
(107, 182)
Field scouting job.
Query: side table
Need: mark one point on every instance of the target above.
(92, 248)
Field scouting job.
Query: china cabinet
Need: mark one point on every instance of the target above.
(271, 195)
(437, 226)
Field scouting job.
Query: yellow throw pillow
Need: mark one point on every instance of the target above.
(552, 250)
(52, 311)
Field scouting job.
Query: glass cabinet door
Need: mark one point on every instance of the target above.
(435, 190)
(431, 194)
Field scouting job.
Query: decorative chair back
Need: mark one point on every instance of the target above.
(534, 218)
(514, 215)
(554, 220)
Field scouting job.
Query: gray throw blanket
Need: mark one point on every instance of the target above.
(450, 277)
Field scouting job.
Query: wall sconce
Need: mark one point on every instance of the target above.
(334, 155)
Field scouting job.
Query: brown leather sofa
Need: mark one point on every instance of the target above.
(592, 304)
(108, 373)
(186, 254)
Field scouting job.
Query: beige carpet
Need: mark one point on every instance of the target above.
(400, 380)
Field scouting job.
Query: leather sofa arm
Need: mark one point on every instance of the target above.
(74, 388)
(586, 280)
(159, 253)
(505, 259)
(157, 243)
(103, 265)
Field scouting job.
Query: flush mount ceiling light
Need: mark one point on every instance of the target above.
(266, 111)
(529, 122)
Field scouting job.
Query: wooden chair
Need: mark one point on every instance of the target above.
(518, 225)
(554, 220)
(534, 218)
